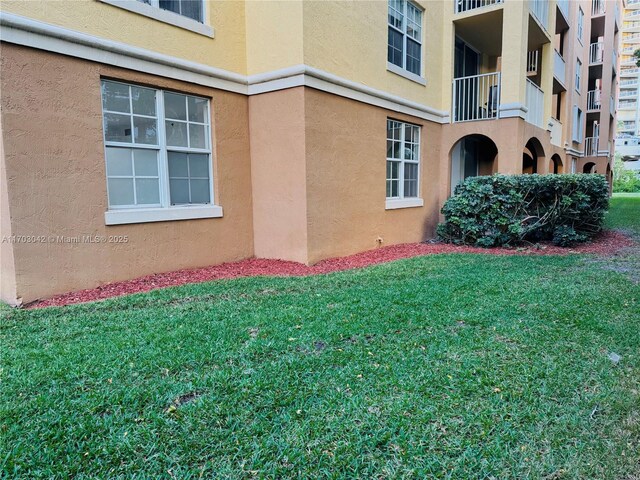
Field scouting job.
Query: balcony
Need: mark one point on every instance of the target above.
(593, 100)
(540, 10)
(591, 146)
(535, 104)
(555, 129)
(461, 6)
(627, 72)
(596, 52)
(597, 7)
(631, 38)
(627, 104)
(559, 67)
(628, 93)
(476, 97)
(629, 83)
(532, 62)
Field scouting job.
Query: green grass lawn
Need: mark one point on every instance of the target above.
(447, 366)
(625, 212)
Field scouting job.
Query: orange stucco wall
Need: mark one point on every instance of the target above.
(55, 173)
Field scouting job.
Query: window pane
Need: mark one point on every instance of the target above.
(414, 22)
(199, 166)
(413, 57)
(394, 188)
(197, 109)
(179, 191)
(396, 7)
(144, 101)
(120, 191)
(175, 106)
(145, 163)
(145, 130)
(147, 191)
(192, 9)
(171, 5)
(178, 165)
(394, 50)
(410, 171)
(115, 97)
(410, 188)
(176, 133)
(117, 128)
(199, 191)
(197, 136)
(119, 162)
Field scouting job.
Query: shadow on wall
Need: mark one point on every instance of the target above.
(471, 156)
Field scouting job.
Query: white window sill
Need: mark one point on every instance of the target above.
(403, 73)
(161, 15)
(145, 215)
(394, 203)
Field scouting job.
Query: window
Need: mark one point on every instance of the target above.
(577, 124)
(405, 36)
(574, 164)
(187, 8)
(578, 74)
(580, 23)
(403, 160)
(157, 147)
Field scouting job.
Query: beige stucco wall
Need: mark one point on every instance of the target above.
(52, 131)
(277, 125)
(346, 172)
(7, 266)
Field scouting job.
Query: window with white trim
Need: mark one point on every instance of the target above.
(403, 160)
(580, 23)
(578, 73)
(187, 8)
(404, 47)
(157, 147)
(577, 124)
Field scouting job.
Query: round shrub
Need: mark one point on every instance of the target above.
(503, 210)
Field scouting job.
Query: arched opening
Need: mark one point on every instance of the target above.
(532, 156)
(589, 167)
(471, 156)
(555, 164)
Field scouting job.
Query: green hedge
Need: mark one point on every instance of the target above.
(502, 210)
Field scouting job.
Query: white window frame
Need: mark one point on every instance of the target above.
(577, 124)
(121, 214)
(402, 70)
(580, 26)
(578, 79)
(154, 11)
(401, 201)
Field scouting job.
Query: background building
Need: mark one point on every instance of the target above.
(185, 133)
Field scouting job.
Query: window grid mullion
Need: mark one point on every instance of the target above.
(133, 137)
(401, 166)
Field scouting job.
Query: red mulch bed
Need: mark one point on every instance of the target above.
(605, 244)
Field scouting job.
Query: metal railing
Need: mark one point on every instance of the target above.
(627, 105)
(535, 104)
(532, 61)
(476, 97)
(460, 6)
(597, 7)
(591, 146)
(596, 51)
(540, 10)
(559, 67)
(593, 100)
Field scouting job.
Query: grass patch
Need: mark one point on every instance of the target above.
(447, 366)
(624, 213)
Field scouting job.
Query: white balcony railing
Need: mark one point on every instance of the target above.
(629, 83)
(597, 7)
(593, 100)
(631, 37)
(535, 104)
(540, 10)
(627, 105)
(532, 61)
(466, 5)
(596, 51)
(591, 146)
(476, 97)
(559, 67)
(630, 71)
(628, 93)
(555, 129)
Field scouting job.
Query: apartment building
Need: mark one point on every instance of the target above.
(154, 135)
(628, 107)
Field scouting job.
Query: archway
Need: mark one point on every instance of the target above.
(589, 167)
(555, 164)
(532, 156)
(471, 156)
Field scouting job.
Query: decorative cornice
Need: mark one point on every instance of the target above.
(35, 34)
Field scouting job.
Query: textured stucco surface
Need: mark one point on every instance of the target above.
(55, 172)
(278, 166)
(346, 172)
(7, 267)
